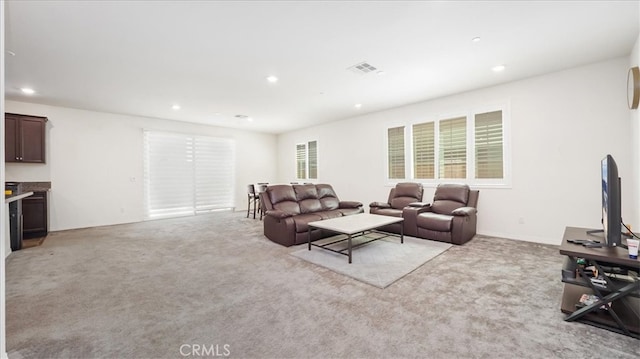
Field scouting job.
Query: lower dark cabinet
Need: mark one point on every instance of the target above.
(34, 215)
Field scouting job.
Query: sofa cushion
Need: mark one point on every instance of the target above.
(453, 192)
(302, 221)
(405, 193)
(401, 202)
(288, 207)
(310, 205)
(328, 198)
(283, 198)
(388, 212)
(435, 221)
(334, 213)
(445, 206)
(305, 191)
(408, 190)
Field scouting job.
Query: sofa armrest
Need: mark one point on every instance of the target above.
(278, 214)
(419, 204)
(349, 204)
(380, 205)
(410, 215)
(464, 211)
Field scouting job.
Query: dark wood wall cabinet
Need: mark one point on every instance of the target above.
(24, 138)
(34, 215)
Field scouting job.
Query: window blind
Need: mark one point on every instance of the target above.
(396, 152)
(313, 159)
(489, 146)
(424, 150)
(301, 161)
(453, 148)
(214, 173)
(185, 174)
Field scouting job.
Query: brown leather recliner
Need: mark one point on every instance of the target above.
(289, 209)
(452, 217)
(399, 198)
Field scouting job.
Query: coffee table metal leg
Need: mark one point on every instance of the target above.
(349, 249)
(401, 233)
(309, 238)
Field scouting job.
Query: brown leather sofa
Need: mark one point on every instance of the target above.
(397, 205)
(290, 208)
(451, 217)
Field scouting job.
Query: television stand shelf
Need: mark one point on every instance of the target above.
(622, 292)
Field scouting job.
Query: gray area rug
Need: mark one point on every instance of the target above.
(161, 289)
(378, 263)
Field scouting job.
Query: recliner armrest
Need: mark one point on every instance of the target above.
(380, 205)
(349, 204)
(464, 211)
(419, 204)
(276, 213)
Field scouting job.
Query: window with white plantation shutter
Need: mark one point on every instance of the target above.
(186, 174)
(307, 160)
(453, 148)
(301, 161)
(489, 145)
(424, 150)
(395, 152)
(313, 159)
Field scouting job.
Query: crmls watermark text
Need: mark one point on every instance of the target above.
(205, 350)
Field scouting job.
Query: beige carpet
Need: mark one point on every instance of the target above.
(159, 289)
(378, 263)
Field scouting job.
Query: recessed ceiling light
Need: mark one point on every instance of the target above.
(175, 107)
(380, 72)
(27, 91)
(498, 68)
(250, 119)
(476, 39)
(272, 79)
(358, 105)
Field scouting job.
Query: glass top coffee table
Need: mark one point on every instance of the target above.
(354, 226)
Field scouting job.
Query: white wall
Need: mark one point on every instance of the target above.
(556, 174)
(94, 163)
(634, 60)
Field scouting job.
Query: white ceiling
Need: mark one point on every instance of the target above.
(212, 58)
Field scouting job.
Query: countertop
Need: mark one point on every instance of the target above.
(33, 186)
(15, 197)
(26, 189)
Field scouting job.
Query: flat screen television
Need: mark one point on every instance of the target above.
(611, 202)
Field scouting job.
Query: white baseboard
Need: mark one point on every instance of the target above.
(534, 239)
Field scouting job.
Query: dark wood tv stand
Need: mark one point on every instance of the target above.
(623, 292)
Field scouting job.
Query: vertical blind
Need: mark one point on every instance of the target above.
(187, 174)
(424, 150)
(489, 146)
(395, 139)
(453, 148)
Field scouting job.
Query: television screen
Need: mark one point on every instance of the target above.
(611, 202)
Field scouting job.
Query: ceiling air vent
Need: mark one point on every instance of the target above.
(362, 68)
